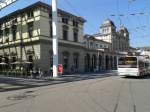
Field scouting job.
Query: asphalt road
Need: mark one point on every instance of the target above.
(101, 94)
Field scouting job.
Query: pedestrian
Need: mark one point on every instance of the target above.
(40, 73)
(51, 71)
(31, 73)
(34, 73)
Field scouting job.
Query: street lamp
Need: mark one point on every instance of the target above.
(55, 38)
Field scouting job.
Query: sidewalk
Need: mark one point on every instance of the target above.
(65, 76)
(15, 83)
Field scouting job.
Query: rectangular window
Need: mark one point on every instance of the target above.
(7, 40)
(75, 62)
(30, 29)
(96, 46)
(65, 34)
(14, 21)
(14, 31)
(65, 20)
(75, 35)
(7, 32)
(1, 33)
(51, 29)
(91, 44)
(75, 23)
(65, 59)
(30, 14)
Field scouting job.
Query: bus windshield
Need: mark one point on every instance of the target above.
(127, 62)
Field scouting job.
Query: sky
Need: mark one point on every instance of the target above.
(133, 14)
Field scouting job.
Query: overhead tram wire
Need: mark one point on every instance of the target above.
(74, 9)
(119, 15)
(140, 27)
(117, 4)
(92, 29)
(72, 6)
(128, 12)
(147, 18)
(132, 14)
(61, 6)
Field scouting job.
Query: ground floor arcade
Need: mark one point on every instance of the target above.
(74, 58)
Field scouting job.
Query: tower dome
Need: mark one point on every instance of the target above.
(108, 22)
(124, 29)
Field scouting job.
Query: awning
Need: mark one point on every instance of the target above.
(18, 62)
(15, 63)
(2, 63)
(28, 62)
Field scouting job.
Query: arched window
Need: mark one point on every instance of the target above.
(51, 58)
(0, 59)
(107, 62)
(1, 62)
(30, 60)
(115, 62)
(87, 62)
(100, 61)
(94, 60)
(111, 62)
(6, 60)
(76, 60)
(65, 59)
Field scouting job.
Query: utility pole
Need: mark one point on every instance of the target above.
(55, 38)
(21, 45)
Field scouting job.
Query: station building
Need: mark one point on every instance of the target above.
(118, 39)
(26, 42)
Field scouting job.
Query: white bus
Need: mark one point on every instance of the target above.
(133, 66)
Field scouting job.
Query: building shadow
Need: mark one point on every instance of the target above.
(12, 84)
(137, 77)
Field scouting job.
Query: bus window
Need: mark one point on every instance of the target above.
(147, 65)
(141, 64)
(130, 62)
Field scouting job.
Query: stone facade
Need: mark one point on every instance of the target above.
(119, 40)
(98, 55)
(26, 42)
